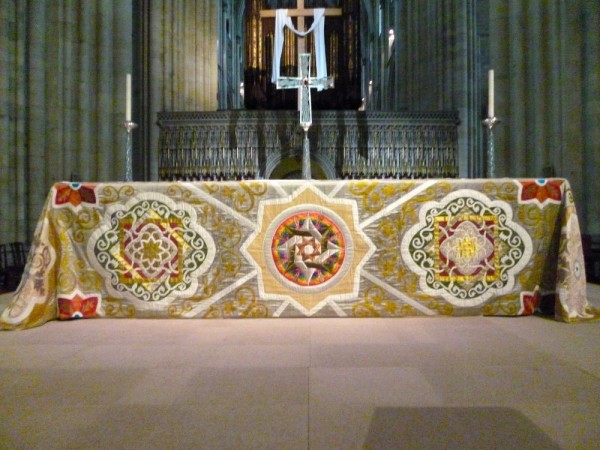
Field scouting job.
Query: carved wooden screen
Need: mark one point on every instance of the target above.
(342, 37)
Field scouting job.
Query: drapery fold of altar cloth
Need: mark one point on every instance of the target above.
(293, 248)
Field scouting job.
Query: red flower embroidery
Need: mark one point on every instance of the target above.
(541, 191)
(74, 194)
(529, 302)
(77, 307)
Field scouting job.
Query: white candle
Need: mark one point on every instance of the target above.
(491, 93)
(128, 99)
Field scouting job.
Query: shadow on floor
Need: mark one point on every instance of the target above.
(454, 427)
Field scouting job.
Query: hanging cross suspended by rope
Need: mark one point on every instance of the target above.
(283, 19)
(301, 12)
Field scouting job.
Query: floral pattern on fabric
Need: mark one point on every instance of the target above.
(529, 302)
(290, 248)
(73, 195)
(33, 303)
(571, 283)
(466, 248)
(540, 191)
(78, 306)
(151, 249)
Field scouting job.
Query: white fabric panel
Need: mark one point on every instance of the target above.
(282, 19)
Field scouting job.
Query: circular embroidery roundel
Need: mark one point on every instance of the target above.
(308, 248)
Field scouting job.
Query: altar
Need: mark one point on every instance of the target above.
(349, 248)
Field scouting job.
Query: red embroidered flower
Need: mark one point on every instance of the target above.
(77, 307)
(540, 191)
(529, 302)
(74, 194)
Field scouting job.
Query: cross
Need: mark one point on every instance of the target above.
(304, 82)
(301, 12)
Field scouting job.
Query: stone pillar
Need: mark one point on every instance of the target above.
(591, 116)
(437, 69)
(230, 54)
(64, 81)
(183, 62)
(546, 60)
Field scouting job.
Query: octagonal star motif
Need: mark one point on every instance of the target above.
(308, 249)
(151, 249)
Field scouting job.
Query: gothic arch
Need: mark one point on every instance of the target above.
(289, 165)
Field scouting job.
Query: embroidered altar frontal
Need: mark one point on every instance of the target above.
(373, 248)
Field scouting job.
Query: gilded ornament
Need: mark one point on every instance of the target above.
(364, 309)
(114, 307)
(111, 194)
(506, 191)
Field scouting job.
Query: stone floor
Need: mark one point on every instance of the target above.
(471, 382)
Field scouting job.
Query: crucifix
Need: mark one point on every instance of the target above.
(304, 82)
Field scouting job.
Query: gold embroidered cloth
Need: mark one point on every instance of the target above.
(376, 248)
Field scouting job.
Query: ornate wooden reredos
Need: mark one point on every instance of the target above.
(225, 145)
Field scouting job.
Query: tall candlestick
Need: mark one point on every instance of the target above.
(489, 123)
(491, 93)
(128, 99)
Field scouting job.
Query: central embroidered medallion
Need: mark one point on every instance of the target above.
(308, 249)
